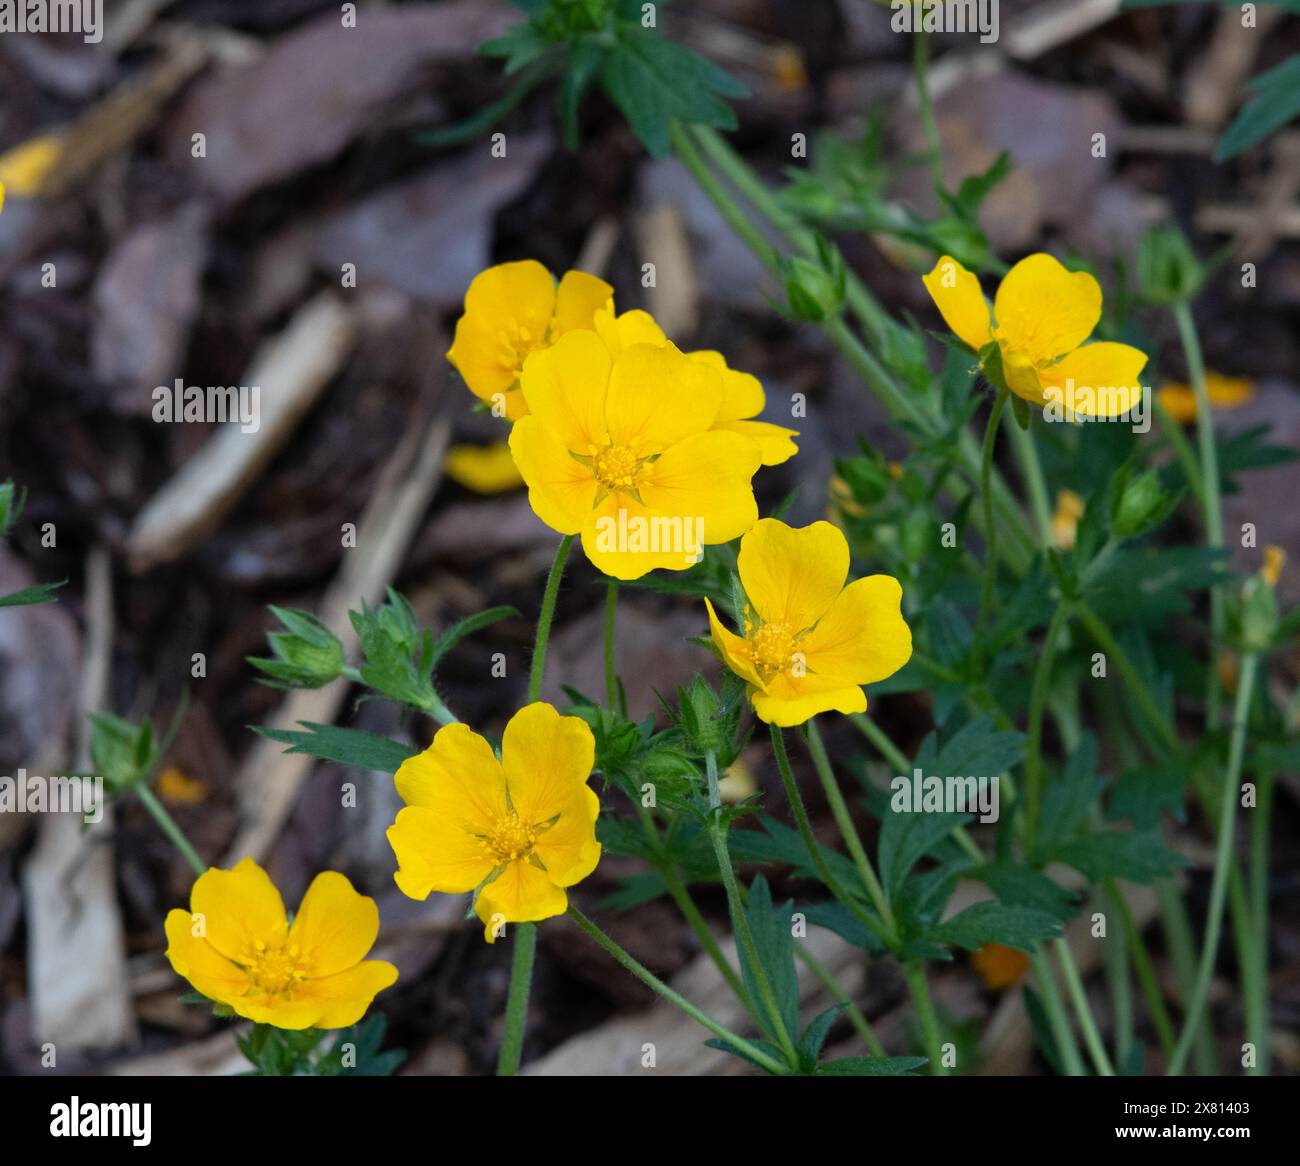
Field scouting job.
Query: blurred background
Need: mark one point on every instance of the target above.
(310, 243)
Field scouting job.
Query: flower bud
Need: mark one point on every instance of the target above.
(1168, 271)
(308, 655)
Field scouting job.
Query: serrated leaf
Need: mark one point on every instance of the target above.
(1020, 927)
(1137, 855)
(871, 1067)
(467, 627)
(345, 746)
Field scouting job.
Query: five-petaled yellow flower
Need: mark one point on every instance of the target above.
(517, 831)
(810, 642)
(512, 310)
(1042, 314)
(743, 398)
(621, 449)
(237, 947)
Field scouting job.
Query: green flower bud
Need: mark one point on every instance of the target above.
(308, 655)
(1258, 618)
(814, 289)
(1168, 271)
(1140, 504)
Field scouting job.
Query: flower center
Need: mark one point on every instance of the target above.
(772, 648)
(617, 468)
(275, 970)
(510, 839)
(517, 339)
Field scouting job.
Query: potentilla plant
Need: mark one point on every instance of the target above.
(1078, 701)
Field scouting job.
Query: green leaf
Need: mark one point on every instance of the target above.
(656, 82)
(467, 627)
(584, 67)
(1068, 800)
(774, 946)
(871, 1067)
(765, 1046)
(1041, 1028)
(346, 746)
(814, 1036)
(1137, 855)
(1144, 794)
(1018, 885)
(520, 46)
(480, 122)
(1020, 927)
(1275, 100)
(28, 596)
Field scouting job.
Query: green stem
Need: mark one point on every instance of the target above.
(652, 981)
(990, 527)
(546, 615)
(1074, 985)
(739, 921)
(1066, 1046)
(521, 982)
(611, 676)
(920, 59)
(914, 973)
(804, 826)
(1182, 449)
(1132, 677)
(861, 1025)
(1146, 972)
(1210, 494)
(1177, 926)
(168, 826)
(1121, 995)
(1257, 1009)
(1032, 470)
(1223, 860)
(1034, 768)
(840, 811)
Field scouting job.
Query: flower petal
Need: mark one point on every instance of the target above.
(634, 327)
(863, 638)
(522, 894)
(240, 907)
(546, 758)
(775, 443)
(658, 397)
(335, 926)
(197, 961)
(485, 469)
(1097, 380)
(569, 849)
(1044, 310)
(792, 575)
(705, 479)
(791, 700)
(579, 297)
(742, 394)
(343, 998)
(436, 853)
(566, 387)
(732, 648)
(561, 490)
(457, 776)
(956, 293)
(624, 539)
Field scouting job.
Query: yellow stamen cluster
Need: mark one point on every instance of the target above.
(772, 648)
(617, 468)
(511, 839)
(518, 339)
(277, 969)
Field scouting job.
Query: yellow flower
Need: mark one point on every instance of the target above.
(621, 450)
(485, 469)
(1274, 561)
(810, 642)
(999, 967)
(175, 787)
(1065, 522)
(515, 831)
(23, 169)
(1042, 314)
(743, 398)
(512, 310)
(1179, 400)
(237, 947)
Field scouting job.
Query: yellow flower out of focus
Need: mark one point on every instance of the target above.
(175, 787)
(23, 169)
(1179, 400)
(1274, 561)
(512, 310)
(743, 398)
(1042, 314)
(516, 832)
(485, 469)
(810, 642)
(1065, 520)
(237, 947)
(621, 449)
(999, 967)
